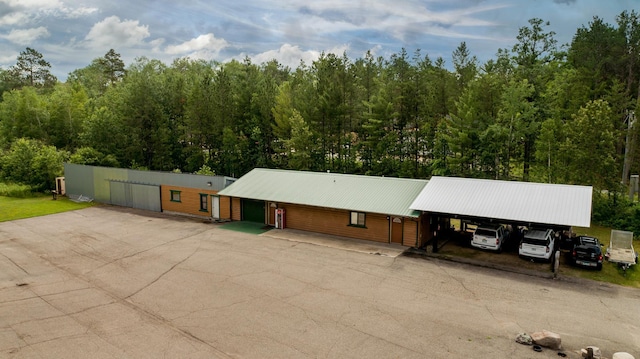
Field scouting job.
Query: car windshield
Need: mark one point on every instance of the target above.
(485, 232)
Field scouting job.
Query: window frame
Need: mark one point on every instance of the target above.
(175, 192)
(204, 208)
(358, 217)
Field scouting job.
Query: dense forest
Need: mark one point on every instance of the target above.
(538, 111)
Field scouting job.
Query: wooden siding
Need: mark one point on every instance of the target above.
(225, 207)
(410, 238)
(236, 209)
(189, 200)
(335, 222)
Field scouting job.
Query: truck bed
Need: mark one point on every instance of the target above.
(621, 248)
(622, 255)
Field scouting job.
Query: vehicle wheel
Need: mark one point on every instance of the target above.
(599, 267)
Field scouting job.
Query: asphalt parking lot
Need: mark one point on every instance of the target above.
(108, 282)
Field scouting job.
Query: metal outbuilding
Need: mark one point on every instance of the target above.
(526, 202)
(149, 190)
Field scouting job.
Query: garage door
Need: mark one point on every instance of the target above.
(135, 195)
(253, 211)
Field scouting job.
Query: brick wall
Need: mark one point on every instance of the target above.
(335, 222)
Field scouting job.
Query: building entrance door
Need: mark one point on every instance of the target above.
(396, 230)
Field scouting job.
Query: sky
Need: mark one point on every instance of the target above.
(71, 33)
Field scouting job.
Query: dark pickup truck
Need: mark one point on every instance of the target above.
(587, 252)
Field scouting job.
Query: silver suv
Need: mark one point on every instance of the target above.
(537, 244)
(490, 236)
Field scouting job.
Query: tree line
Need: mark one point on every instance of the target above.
(535, 112)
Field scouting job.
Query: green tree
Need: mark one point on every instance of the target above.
(629, 28)
(300, 145)
(92, 157)
(23, 113)
(533, 54)
(67, 108)
(551, 158)
(590, 146)
(100, 74)
(465, 65)
(282, 112)
(517, 118)
(106, 132)
(32, 162)
(145, 116)
(205, 170)
(31, 69)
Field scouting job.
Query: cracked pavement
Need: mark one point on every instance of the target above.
(109, 282)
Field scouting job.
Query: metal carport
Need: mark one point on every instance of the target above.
(524, 202)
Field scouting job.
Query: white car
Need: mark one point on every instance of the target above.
(537, 244)
(489, 236)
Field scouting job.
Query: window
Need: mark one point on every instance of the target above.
(204, 203)
(175, 196)
(357, 219)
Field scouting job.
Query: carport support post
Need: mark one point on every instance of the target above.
(556, 263)
(436, 233)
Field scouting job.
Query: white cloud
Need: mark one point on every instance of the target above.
(155, 44)
(13, 18)
(112, 32)
(8, 59)
(34, 3)
(78, 12)
(290, 55)
(202, 46)
(23, 11)
(26, 36)
(400, 18)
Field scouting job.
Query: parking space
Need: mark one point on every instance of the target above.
(109, 282)
(458, 245)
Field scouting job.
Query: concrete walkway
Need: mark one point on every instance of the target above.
(355, 245)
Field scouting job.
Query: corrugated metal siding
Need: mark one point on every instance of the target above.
(518, 201)
(384, 195)
(118, 195)
(93, 181)
(135, 195)
(79, 180)
(146, 197)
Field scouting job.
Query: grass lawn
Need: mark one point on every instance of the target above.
(18, 208)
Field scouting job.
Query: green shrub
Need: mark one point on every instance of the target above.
(16, 190)
(33, 163)
(616, 211)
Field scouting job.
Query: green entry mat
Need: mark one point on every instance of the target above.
(247, 227)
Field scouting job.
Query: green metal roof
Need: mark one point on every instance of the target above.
(384, 195)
